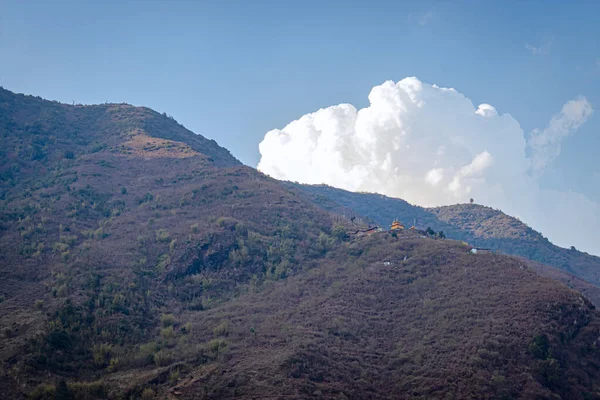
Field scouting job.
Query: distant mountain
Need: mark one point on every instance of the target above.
(138, 260)
(478, 225)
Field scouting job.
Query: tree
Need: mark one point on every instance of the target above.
(441, 235)
(339, 232)
(471, 200)
(430, 231)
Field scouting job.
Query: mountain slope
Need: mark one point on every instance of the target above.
(478, 225)
(411, 319)
(34, 129)
(105, 226)
(140, 261)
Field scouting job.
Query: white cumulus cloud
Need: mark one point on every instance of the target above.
(435, 176)
(486, 110)
(431, 146)
(545, 144)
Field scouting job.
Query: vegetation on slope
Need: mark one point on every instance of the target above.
(100, 239)
(141, 261)
(478, 225)
(407, 318)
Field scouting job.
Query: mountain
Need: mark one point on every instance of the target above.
(114, 215)
(139, 260)
(478, 225)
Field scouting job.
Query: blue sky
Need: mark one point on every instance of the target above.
(233, 70)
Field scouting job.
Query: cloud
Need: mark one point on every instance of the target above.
(431, 146)
(474, 170)
(486, 110)
(541, 50)
(545, 144)
(421, 18)
(434, 176)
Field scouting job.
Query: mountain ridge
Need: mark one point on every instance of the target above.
(476, 224)
(34, 114)
(139, 261)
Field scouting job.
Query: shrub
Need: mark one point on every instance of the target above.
(167, 333)
(99, 234)
(217, 346)
(163, 236)
(87, 233)
(196, 279)
(117, 301)
(324, 243)
(89, 390)
(281, 271)
(194, 228)
(147, 394)
(114, 364)
(226, 223)
(123, 190)
(102, 354)
(162, 358)
(187, 328)
(146, 353)
(222, 329)
(339, 232)
(148, 197)
(167, 320)
(141, 262)
(59, 247)
(539, 348)
(174, 377)
(62, 291)
(69, 240)
(39, 304)
(549, 370)
(163, 261)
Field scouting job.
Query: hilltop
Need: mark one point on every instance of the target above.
(139, 260)
(114, 215)
(478, 225)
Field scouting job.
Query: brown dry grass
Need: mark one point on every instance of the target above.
(442, 324)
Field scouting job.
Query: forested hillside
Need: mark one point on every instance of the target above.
(138, 260)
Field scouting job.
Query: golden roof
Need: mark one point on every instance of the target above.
(397, 225)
